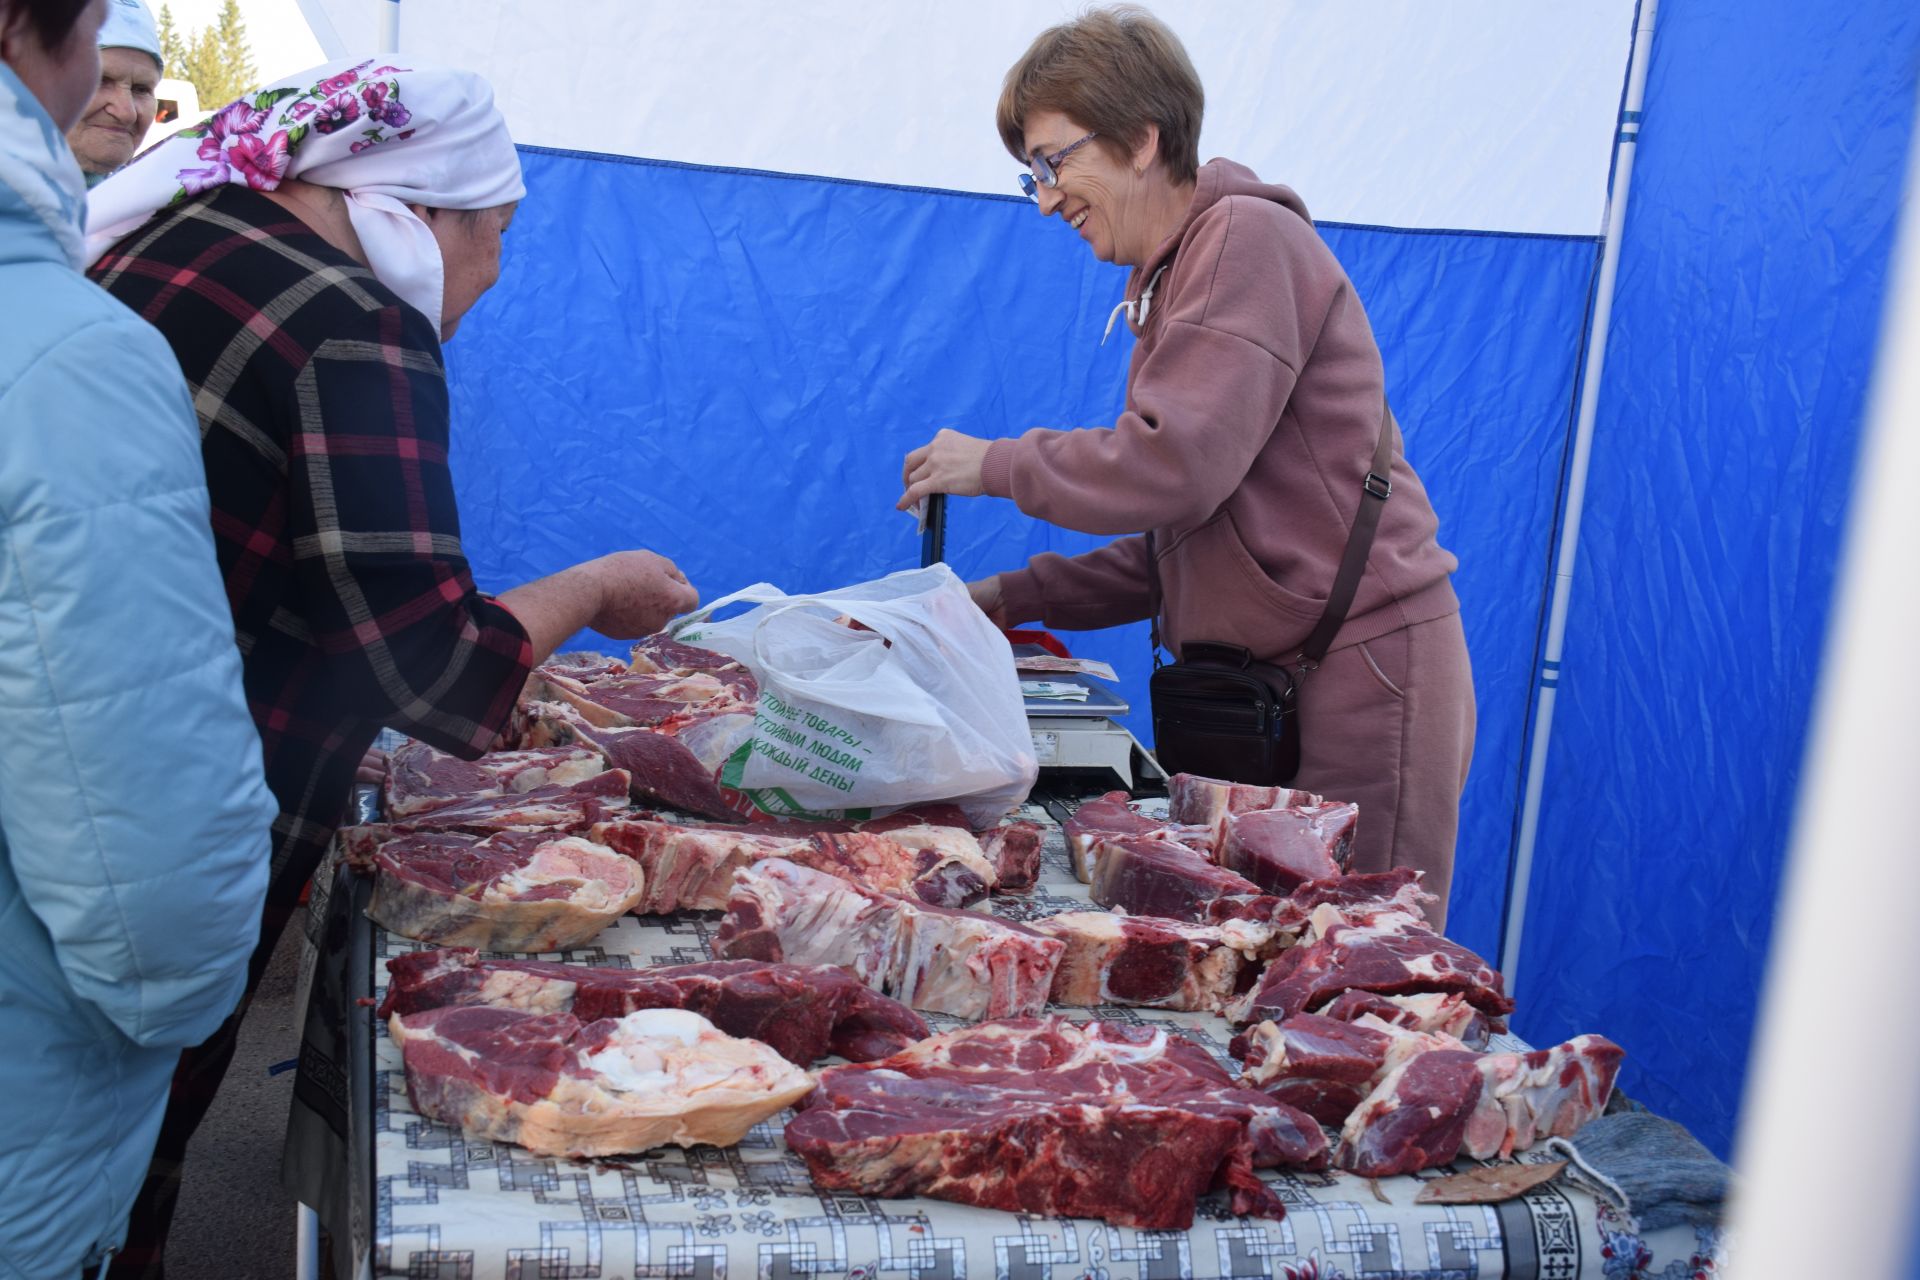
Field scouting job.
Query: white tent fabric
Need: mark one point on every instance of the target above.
(1503, 122)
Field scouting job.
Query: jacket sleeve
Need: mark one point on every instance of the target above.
(136, 816)
(410, 642)
(1202, 403)
(1105, 587)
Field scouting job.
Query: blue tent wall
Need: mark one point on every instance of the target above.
(729, 366)
(1763, 203)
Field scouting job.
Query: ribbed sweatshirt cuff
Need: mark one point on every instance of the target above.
(1020, 597)
(996, 470)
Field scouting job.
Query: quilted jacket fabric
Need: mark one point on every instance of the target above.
(133, 813)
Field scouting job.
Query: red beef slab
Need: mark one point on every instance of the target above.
(805, 1012)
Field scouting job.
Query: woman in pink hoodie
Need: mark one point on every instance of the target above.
(1254, 402)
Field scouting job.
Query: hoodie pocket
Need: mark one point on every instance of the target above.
(1215, 590)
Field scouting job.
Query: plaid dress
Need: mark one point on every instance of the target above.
(323, 417)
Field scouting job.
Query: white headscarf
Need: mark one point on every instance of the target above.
(386, 135)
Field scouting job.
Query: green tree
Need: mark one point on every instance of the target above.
(216, 61)
(173, 50)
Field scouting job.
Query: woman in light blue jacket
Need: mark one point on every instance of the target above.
(133, 815)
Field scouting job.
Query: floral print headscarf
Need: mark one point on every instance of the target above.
(388, 135)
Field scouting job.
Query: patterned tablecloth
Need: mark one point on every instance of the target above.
(443, 1206)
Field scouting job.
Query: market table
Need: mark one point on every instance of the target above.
(418, 1200)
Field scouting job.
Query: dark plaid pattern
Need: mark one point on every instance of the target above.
(323, 416)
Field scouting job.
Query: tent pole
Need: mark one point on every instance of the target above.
(390, 27)
(1625, 143)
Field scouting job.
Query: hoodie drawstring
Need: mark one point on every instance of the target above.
(1143, 304)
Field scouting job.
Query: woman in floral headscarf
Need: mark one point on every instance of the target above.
(305, 252)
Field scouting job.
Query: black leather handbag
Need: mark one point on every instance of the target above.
(1220, 712)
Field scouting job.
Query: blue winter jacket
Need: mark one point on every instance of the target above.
(133, 814)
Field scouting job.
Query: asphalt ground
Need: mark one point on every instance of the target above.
(234, 1222)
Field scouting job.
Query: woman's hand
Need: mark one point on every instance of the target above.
(372, 767)
(986, 594)
(949, 463)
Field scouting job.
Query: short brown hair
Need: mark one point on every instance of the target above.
(1116, 71)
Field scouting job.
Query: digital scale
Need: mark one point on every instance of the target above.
(1082, 736)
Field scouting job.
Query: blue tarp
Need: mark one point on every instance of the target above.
(729, 367)
(1763, 204)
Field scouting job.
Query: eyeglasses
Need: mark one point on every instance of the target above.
(1043, 171)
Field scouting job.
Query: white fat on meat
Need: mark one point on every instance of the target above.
(957, 844)
(602, 879)
(652, 1077)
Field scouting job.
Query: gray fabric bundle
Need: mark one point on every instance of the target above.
(1649, 1167)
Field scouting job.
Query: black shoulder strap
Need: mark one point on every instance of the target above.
(1374, 492)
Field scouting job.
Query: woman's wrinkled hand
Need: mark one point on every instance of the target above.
(640, 591)
(948, 463)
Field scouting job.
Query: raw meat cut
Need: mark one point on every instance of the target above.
(1148, 877)
(1207, 803)
(560, 1087)
(951, 870)
(1442, 1013)
(1282, 849)
(688, 868)
(645, 698)
(1014, 849)
(1373, 898)
(420, 778)
(1391, 959)
(1110, 818)
(1045, 1117)
(933, 958)
(1436, 1106)
(556, 806)
(676, 762)
(1141, 960)
(515, 891)
(662, 654)
(1322, 1066)
(692, 867)
(804, 1012)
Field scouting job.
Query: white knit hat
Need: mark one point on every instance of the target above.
(129, 25)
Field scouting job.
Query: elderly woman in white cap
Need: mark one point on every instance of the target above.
(122, 108)
(305, 252)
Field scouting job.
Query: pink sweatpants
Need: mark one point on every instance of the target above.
(1388, 725)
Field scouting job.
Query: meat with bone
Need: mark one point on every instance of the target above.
(1282, 849)
(1042, 1116)
(1014, 849)
(513, 891)
(1434, 1012)
(561, 1087)
(691, 868)
(1360, 899)
(1207, 803)
(804, 1012)
(420, 778)
(676, 761)
(1141, 960)
(1322, 1066)
(933, 958)
(1148, 877)
(644, 698)
(1393, 957)
(1434, 1107)
(661, 654)
(1110, 818)
(557, 806)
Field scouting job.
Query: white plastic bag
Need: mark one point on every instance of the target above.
(922, 706)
